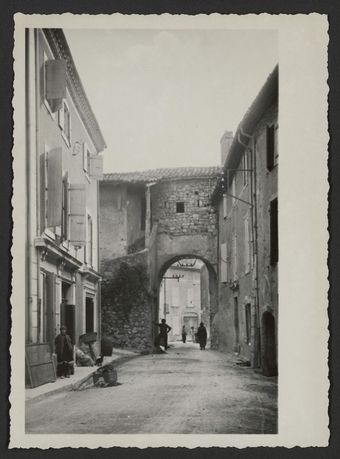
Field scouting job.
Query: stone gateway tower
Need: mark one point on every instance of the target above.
(149, 220)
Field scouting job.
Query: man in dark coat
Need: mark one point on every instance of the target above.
(64, 351)
(202, 336)
(164, 329)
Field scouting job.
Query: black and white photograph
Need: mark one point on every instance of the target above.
(153, 228)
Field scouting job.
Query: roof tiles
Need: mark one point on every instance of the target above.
(156, 175)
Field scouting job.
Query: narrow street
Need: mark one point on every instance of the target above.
(184, 391)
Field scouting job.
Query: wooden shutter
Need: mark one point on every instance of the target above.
(96, 167)
(225, 210)
(54, 187)
(85, 149)
(77, 215)
(223, 263)
(50, 308)
(55, 79)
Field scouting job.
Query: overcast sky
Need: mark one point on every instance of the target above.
(163, 98)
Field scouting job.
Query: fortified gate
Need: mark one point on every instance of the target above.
(148, 221)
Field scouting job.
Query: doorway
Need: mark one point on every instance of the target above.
(68, 311)
(269, 363)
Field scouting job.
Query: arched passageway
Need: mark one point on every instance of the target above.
(269, 360)
(187, 293)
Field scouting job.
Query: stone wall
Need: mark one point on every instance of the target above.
(195, 194)
(127, 302)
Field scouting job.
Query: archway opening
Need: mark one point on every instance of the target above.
(186, 293)
(269, 360)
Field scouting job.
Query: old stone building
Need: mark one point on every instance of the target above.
(63, 141)
(246, 200)
(150, 220)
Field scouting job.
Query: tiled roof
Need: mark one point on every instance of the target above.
(156, 175)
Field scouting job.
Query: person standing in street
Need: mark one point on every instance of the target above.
(164, 329)
(184, 334)
(202, 336)
(64, 351)
(193, 334)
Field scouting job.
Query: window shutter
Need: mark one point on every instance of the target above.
(54, 187)
(96, 167)
(223, 263)
(85, 156)
(55, 79)
(77, 215)
(225, 210)
(61, 120)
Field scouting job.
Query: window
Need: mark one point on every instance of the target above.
(86, 158)
(248, 323)
(179, 207)
(65, 122)
(274, 239)
(271, 147)
(53, 83)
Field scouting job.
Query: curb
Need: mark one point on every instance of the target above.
(75, 386)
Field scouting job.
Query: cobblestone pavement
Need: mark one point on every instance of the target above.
(184, 391)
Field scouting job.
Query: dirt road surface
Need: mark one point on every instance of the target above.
(184, 391)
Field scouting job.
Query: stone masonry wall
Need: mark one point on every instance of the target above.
(127, 302)
(197, 217)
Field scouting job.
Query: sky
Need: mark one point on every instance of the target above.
(164, 98)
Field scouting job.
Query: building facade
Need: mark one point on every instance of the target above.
(246, 199)
(63, 142)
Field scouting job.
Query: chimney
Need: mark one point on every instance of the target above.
(226, 142)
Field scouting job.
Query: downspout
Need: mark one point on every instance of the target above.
(254, 227)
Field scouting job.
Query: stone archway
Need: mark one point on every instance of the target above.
(212, 282)
(269, 359)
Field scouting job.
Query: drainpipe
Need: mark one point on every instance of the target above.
(148, 213)
(254, 229)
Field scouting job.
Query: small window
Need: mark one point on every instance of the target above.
(270, 147)
(86, 158)
(179, 207)
(274, 236)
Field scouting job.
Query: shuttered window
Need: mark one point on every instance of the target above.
(77, 215)
(89, 241)
(53, 187)
(274, 237)
(95, 163)
(270, 147)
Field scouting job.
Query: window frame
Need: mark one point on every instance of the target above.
(61, 121)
